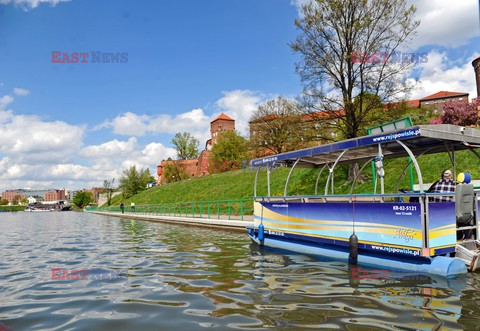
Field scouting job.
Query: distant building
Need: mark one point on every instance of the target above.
(37, 193)
(71, 194)
(55, 195)
(11, 196)
(96, 193)
(31, 200)
(200, 166)
(438, 100)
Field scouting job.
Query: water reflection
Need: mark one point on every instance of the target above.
(300, 293)
(185, 278)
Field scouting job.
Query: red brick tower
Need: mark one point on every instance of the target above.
(476, 67)
(221, 123)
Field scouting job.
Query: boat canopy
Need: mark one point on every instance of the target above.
(409, 142)
(421, 139)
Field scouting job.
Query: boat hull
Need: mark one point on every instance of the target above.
(439, 265)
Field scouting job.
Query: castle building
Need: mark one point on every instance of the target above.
(200, 166)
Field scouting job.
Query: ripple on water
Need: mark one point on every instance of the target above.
(183, 278)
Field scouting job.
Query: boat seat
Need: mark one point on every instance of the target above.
(464, 208)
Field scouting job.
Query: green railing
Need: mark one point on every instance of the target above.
(229, 209)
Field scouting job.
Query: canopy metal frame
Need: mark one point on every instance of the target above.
(423, 139)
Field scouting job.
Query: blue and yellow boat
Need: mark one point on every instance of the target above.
(401, 231)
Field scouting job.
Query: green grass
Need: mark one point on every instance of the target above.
(239, 184)
(12, 208)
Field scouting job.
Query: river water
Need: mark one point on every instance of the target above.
(152, 276)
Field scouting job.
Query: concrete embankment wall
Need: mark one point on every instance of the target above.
(238, 225)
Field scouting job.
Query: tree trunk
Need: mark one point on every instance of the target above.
(353, 171)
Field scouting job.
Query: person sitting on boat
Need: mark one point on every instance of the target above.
(444, 185)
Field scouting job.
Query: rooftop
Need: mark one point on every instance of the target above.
(224, 117)
(443, 94)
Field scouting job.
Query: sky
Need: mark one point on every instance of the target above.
(73, 125)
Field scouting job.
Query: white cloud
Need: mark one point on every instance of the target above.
(31, 4)
(113, 148)
(131, 124)
(439, 74)
(5, 101)
(21, 91)
(114, 156)
(149, 157)
(445, 23)
(299, 3)
(240, 105)
(49, 154)
(31, 138)
(107, 160)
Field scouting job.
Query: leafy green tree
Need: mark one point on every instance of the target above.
(134, 181)
(349, 48)
(108, 188)
(24, 201)
(16, 199)
(230, 151)
(82, 199)
(186, 146)
(3, 202)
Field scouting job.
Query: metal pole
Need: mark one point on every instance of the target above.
(409, 166)
(382, 180)
(332, 169)
(358, 175)
(288, 178)
(454, 164)
(268, 179)
(331, 182)
(255, 184)
(318, 178)
(411, 174)
(415, 163)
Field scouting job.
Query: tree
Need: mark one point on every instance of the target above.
(3, 202)
(82, 199)
(174, 172)
(134, 181)
(458, 113)
(278, 126)
(347, 49)
(24, 201)
(230, 151)
(16, 199)
(108, 187)
(186, 146)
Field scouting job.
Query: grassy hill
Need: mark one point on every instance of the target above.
(239, 184)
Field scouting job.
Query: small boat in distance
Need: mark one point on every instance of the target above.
(42, 207)
(37, 209)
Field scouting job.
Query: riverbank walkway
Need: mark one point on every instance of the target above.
(234, 223)
(230, 214)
